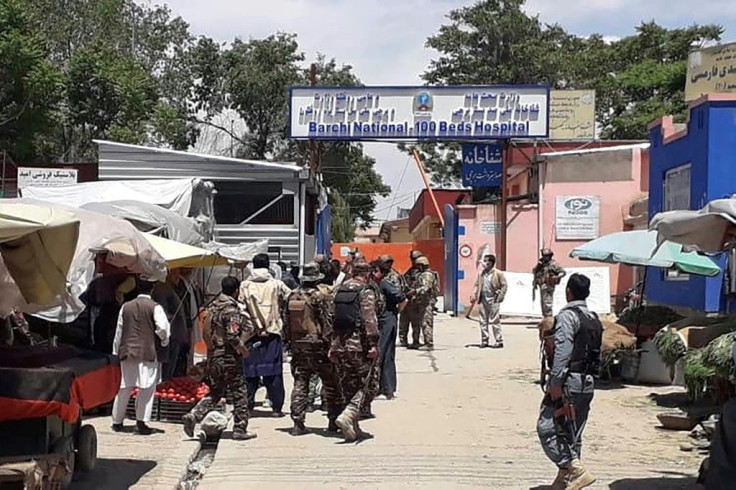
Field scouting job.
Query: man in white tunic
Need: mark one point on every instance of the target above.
(489, 292)
(142, 330)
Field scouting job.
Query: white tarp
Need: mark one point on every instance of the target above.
(154, 219)
(174, 194)
(519, 301)
(706, 230)
(127, 248)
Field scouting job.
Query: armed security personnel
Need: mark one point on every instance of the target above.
(308, 327)
(354, 348)
(230, 327)
(410, 312)
(425, 294)
(574, 347)
(547, 275)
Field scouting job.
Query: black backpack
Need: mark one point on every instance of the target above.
(347, 307)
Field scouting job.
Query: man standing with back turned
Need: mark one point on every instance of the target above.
(354, 348)
(229, 329)
(140, 323)
(574, 346)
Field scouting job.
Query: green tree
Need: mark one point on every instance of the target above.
(257, 76)
(637, 78)
(30, 87)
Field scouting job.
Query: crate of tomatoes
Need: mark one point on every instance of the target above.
(178, 396)
(173, 399)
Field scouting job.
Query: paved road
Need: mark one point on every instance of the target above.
(464, 418)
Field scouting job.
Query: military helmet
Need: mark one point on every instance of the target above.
(415, 254)
(422, 261)
(385, 260)
(311, 273)
(547, 252)
(361, 266)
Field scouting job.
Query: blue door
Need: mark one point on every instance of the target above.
(451, 260)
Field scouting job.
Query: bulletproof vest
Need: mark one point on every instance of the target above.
(586, 351)
(303, 323)
(348, 315)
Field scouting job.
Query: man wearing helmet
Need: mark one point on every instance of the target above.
(424, 293)
(547, 275)
(410, 311)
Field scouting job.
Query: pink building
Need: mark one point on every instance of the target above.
(612, 177)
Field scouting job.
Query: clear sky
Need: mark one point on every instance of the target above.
(384, 39)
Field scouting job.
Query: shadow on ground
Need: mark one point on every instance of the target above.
(113, 474)
(657, 483)
(701, 409)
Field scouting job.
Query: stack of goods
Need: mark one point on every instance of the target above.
(670, 346)
(711, 370)
(173, 398)
(646, 321)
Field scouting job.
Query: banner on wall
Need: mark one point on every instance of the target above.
(519, 300)
(577, 217)
(482, 165)
(711, 70)
(415, 113)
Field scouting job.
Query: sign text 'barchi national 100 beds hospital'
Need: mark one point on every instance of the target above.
(433, 113)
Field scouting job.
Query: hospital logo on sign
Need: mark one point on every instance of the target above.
(423, 103)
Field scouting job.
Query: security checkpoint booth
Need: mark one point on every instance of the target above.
(252, 200)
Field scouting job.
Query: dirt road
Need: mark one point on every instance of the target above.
(464, 418)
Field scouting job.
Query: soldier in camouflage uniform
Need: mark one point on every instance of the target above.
(425, 294)
(547, 275)
(308, 327)
(229, 328)
(410, 311)
(355, 350)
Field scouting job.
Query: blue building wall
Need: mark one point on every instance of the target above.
(709, 148)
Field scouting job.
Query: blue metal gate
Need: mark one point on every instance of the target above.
(451, 259)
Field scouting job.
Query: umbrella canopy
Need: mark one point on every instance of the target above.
(640, 248)
(124, 247)
(37, 244)
(180, 255)
(707, 229)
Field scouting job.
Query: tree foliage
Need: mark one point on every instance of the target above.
(30, 86)
(636, 79)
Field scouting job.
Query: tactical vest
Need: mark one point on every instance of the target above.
(586, 351)
(348, 314)
(303, 323)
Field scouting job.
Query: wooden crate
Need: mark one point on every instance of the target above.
(171, 411)
(155, 412)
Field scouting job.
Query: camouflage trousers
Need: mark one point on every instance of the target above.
(359, 380)
(545, 297)
(424, 321)
(305, 365)
(225, 373)
(412, 316)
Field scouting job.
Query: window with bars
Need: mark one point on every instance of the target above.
(676, 192)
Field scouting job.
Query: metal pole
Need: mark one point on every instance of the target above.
(302, 220)
(504, 201)
(312, 143)
(541, 175)
(427, 184)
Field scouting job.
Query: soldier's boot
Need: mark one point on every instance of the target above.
(561, 479)
(299, 428)
(578, 477)
(189, 423)
(243, 435)
(346, 422)
(332, 426)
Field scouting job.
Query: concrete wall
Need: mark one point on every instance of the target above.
(523, 247)
(707, 143)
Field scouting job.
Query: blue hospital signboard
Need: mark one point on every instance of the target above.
(482, 165)
(419, 113)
